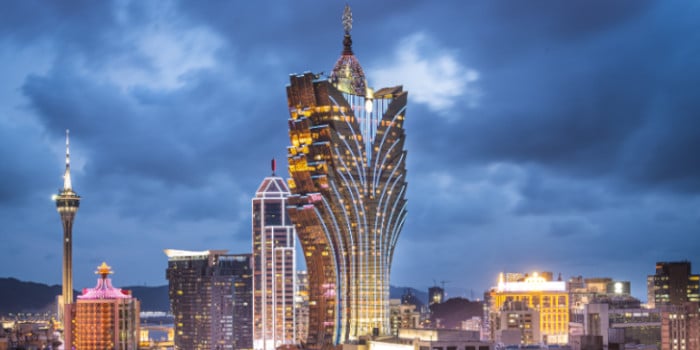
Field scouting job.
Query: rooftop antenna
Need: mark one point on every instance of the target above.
(347, 26)
(67, 185)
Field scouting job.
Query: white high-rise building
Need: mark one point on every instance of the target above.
(274, 266)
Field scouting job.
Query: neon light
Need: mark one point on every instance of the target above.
(534, 286)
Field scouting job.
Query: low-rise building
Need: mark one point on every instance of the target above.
(623, 325)
(426, 339)
(517, 324)
(402, 316)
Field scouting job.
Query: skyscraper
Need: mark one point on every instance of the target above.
(274, 266)
(211, 299)
(348, 181)
(106, 317)
(67, 203)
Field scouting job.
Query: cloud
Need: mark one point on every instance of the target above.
(144, 44)
(434, 76)
(571, 227)
(461, 201)
(164, 56)
(543, 193)
(579, 124)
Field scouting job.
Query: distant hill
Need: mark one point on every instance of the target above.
(455, 310)
(19, 296)
(152, 298)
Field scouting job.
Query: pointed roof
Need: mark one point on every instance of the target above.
(272, 187)
(104, 289)
(347, 74)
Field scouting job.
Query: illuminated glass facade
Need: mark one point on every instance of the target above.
(211, 299)
(274, 267)
(348, 181)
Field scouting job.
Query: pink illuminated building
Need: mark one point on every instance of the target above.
(106, 317)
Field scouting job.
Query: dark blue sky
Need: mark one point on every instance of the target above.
(542, 135)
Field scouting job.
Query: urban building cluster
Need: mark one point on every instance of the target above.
(345, 206)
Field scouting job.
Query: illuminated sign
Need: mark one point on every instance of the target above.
(534, 283)
(554, 286)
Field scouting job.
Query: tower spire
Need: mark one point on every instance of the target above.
(67, 185)
(347, 25)
(104, 270)
(347, 75)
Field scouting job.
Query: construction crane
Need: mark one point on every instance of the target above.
(443, 284)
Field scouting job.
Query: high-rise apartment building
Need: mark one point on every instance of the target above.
(348, 181)
(106, 317)
(67, 203)
(274, 266)
(672, 284)
(211, 299)
(548, 298)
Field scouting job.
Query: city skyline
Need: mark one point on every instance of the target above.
(567, 130)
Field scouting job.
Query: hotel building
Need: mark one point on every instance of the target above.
(274, 266)
(348, 181)
(106, 317)
(550, 300)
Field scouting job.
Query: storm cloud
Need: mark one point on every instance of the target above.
(542, 135)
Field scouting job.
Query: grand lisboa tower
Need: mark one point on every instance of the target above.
(348, 182)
